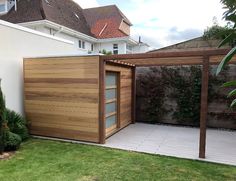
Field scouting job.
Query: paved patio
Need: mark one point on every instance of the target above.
(176, 141)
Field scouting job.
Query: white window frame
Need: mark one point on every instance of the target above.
(115, 48)
(81, 44)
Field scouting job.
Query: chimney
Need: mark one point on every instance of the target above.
(140, 40)
(15, 5)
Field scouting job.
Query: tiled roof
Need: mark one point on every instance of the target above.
(67, 13)
(107, 20)
(63, 12)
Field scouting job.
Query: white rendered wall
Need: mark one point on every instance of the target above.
(17, 42)
(142, 48)
(43, 29)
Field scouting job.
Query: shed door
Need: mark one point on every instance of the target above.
(111, 102)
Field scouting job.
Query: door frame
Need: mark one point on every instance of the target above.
(117, 102)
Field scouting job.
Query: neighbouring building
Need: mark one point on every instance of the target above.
(192, 44)
(92, 30)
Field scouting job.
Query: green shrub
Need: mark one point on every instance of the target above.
(12, 141)
(175, 93)
(152, 87)
(17, 124)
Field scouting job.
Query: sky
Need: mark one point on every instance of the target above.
(164, 22)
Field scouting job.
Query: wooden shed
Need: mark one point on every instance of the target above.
(80, 98)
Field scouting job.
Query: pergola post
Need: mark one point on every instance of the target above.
(204, 107)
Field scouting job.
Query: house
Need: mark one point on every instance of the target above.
(199, 43)
(92, 30)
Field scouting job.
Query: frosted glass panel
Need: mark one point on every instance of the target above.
(110, 121)
(2, 8)
(111, 107)
(110, 94)
(110, 79)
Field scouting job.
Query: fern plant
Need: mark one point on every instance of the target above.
(17, 124)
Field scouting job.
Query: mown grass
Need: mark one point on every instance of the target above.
(51, 160)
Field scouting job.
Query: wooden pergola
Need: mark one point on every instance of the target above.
(205, 58)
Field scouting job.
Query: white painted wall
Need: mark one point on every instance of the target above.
(141, 48)
(43, 29)
(17, 42)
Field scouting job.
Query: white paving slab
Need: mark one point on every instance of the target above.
(174, 141)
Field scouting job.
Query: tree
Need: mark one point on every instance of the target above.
(105, 52)
(2, 121)
(217, 32)
(230, 16)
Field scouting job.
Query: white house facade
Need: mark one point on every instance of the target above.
(102, 28)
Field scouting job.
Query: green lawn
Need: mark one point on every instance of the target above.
(51, 160)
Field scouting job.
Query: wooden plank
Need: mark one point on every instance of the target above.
(218, 58)
(102, 128)
(111, 114)
(204, 107)
(164, 54)
(133, 95)
(62, 97)
(118, 100)
(170, 61)
(64, 133)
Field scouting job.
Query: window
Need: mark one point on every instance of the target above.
(115, 49)
(80, 44)
(129, 47)
(76, 15)
(92, 47)
(2, 8)
(83, 45)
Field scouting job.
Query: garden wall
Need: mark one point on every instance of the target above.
(16, 43)
(159, 96)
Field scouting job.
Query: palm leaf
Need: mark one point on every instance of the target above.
(233, 103)
(226, 40)
(232, 93)
(229, 84)
(225, 60)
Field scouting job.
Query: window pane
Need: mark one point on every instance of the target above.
(115, 46)
(110, 79)
(83, 45)
(110, 94)
(80, 45)
(115, 52)
(111, 107)
(2, 7)
(110, 121)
